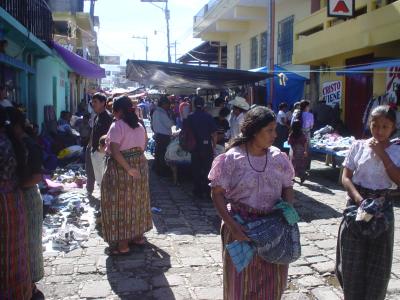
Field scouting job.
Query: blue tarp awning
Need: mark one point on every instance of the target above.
(78, 64)
(381, 64)
(291, 92)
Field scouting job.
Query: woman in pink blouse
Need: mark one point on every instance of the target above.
(371, 170)
(125, 196)
(248, 180)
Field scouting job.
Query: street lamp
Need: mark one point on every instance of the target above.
(167, 17)
(142, 38)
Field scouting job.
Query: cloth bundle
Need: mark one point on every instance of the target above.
(371, 218)
(275, 237)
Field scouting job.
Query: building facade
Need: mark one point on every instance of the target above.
(331, 44)
(25, 49)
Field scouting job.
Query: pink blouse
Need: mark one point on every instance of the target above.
(127, 138)
(242, 184)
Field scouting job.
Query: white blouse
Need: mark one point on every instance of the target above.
(368, 169)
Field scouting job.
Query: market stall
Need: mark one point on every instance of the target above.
(187, 79)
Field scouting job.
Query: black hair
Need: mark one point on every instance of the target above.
(254, 120)
(219, 101)
(282, 105)
(384, 111)
(303, 105)
(163, 100)
(124, 105)
(296, 130)
(198, 102)
(14, 118)
(224, 112)
(100, 96)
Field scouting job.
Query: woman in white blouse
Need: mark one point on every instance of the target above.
(371, 170)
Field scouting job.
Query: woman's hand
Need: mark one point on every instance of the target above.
(378, 148)
(238, 233)
(134, 173)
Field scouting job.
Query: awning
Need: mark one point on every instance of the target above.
(168, 75)
(79, 64)
(290, 92)
(381, 64)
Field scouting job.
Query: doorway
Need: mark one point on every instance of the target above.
(358, 92)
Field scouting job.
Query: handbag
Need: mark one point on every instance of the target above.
(382, 217)
(276, 240)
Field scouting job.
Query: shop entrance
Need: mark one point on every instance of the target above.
(358, 92)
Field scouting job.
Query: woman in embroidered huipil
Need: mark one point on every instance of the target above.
(251, 176)
(15, 276)
(371, 169)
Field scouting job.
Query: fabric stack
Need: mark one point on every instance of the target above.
(325, 139)
(68, 217)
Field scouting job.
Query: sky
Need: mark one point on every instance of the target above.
(121, 19)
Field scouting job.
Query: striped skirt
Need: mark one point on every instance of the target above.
(15, 277)
(260, 280)
(34, 207)
(125, 201)
(363, 264)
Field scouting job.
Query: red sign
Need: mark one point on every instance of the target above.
(341, 8)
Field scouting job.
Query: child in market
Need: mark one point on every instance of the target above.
(371, 170)
(299, 144)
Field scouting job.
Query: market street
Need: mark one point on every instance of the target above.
(182, 259)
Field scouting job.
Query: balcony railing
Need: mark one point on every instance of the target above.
(35, 15)
(205, 9)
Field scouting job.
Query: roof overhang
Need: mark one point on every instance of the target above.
(168, 75)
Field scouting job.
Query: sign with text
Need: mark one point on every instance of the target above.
(393, 84)
(332, 92)
(341, 8)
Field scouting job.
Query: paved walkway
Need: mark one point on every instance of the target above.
(183, 257)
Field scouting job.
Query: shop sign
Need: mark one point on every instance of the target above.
(341, 8)
(332, 92)
(393, 83)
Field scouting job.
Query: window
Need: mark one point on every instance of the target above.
(285, 41)
(264, 48)
(237, 56)
(254, 52)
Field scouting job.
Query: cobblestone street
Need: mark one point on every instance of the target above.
(182, 259)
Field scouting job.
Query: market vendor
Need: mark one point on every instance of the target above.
(239, 108)
(162, 127)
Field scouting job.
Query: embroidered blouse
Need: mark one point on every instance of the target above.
(242, 184)
(368, 169)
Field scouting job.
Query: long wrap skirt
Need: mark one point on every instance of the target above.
(34, 209)
(125, 201)
(260, 280)
(15, 276)
(363, 264)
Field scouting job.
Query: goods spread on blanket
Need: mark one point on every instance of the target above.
(68, 215)
(325, 139)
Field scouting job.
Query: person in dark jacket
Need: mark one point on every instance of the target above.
(205, 132)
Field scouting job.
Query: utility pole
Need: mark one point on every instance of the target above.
(271, 42)
(143, 38)
(167, 17)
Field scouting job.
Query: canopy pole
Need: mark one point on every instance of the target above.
(271, 52)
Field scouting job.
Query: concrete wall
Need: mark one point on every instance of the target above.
(48, 68)
(298, 8)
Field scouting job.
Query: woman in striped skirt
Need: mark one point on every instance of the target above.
(125, 196)
(371, 169)
(31, 176)
(251, 176)
(15, 277)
